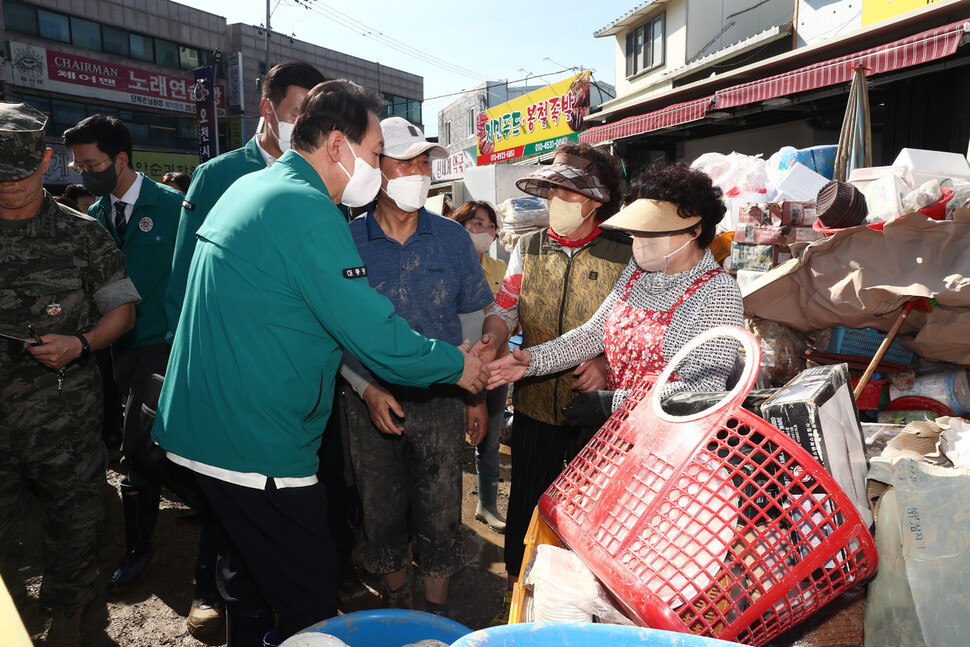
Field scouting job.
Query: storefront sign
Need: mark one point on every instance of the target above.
(874, 11)
(58, 171)
(237, 131)
(535, 122)
(155, 165)
(453, 167)
(47, 69)
(151, 163)
(235, 65)
(205, 113)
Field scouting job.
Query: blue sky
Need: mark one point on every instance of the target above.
(486, 40)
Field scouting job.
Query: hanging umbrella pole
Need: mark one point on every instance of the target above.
(855, 138)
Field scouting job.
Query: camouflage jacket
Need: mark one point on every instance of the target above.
(59, 272)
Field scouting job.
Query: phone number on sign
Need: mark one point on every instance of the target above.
(502, 155)
(551, 144)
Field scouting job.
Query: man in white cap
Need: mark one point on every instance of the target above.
(406, 442)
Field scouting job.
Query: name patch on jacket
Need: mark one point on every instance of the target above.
(188, 205)
(355, 272)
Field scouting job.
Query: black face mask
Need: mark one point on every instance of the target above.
(101, 182)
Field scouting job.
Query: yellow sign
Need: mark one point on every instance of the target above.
(874, 11)
(524, 125)
(155, 165)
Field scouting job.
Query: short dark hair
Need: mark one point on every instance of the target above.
(334, 105)
(604, 166)
(279, 79)
(109, 134)
(466, 212)
(691, 190)
(181, 180)
(67, 202)
(75, 191)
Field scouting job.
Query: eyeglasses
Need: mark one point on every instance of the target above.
(78, 168)
(478, 227)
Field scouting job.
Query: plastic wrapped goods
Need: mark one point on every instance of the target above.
(923, 196)
(565, 590)
(734, 174)
(884, 198)
(527, 212)
(781, 351)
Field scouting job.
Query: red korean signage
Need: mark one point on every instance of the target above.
(112, 76)
(47, 69)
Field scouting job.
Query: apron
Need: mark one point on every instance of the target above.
(633, 337)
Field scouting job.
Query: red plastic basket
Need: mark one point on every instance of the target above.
(715, 523)
(868, 400)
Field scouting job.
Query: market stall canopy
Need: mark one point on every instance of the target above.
(675, 115)
(923, 47)
(861, 277)
(920, 48)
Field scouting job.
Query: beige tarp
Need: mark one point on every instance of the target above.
(861, 278)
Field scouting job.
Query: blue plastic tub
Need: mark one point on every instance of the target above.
(390, 628)
(582, 635)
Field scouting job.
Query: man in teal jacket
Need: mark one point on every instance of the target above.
(284, 88)
(276, 292)
(142, 216)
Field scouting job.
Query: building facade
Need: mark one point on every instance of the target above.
(134, 59)
(751, 76)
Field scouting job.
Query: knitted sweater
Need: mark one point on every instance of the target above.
(716, 303)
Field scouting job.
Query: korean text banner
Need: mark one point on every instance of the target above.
(47, 69)
(535, 122)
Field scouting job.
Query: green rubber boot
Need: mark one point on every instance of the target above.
(486, 512)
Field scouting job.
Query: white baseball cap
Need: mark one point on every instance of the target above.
(403, 140)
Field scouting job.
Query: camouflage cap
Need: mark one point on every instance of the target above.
(21, 140)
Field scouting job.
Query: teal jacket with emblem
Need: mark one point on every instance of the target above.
(148, 246)
(271, 302)
(209, 182)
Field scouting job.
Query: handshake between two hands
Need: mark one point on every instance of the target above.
(482, 369)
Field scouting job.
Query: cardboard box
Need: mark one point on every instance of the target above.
(747, 277)
(933, 165)
(818, 411)
(733, 215)
(863, 177)
(800, 184)
(761, 258)
(798, 214)
(762, 234)
(806, 235)
(751, 213)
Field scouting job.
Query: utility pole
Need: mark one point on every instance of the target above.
(267, 38)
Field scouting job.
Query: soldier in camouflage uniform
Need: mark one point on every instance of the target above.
(64, 288)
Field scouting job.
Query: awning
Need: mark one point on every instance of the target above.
(675, 115)
(914, 50)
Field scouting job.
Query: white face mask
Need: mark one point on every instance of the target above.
(285, 129)
(566, 217)
(649, 252)
(364, 183)
(409, 192)
(482, 241)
